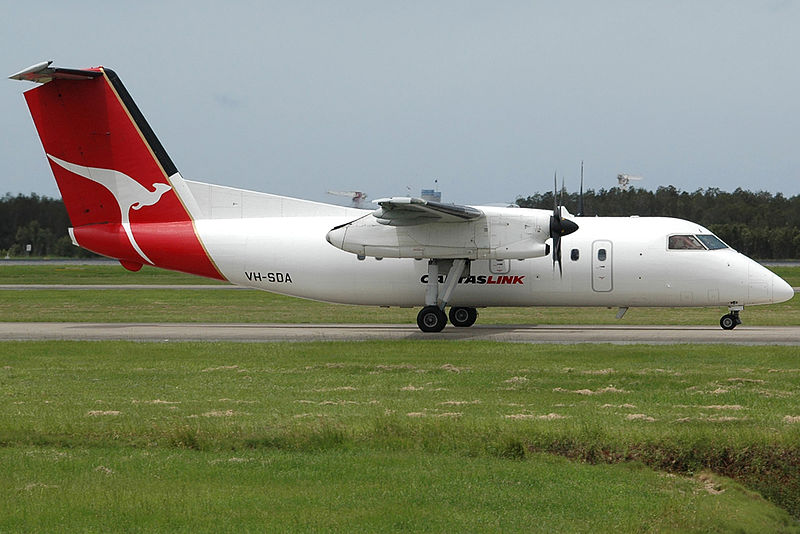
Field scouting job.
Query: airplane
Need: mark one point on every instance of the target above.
(126, 200)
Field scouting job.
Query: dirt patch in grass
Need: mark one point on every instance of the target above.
(220, 368)
(546, 417)
(516, 380)
(747, 380)
(220, 413)
(609, 389)
(453, 369)
(709, 485)
(598, 372)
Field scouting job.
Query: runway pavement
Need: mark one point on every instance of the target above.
(618, 334)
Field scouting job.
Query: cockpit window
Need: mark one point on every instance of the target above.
(711, 241)
(684, 242)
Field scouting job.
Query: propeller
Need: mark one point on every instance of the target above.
(559, 227)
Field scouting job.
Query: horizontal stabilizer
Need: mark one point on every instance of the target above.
(409, 211)
(43, 73)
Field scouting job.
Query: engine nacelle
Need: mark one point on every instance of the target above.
(501, 234)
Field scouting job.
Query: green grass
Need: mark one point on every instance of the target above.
(397, 436)
(355, 491)
(790, 274)
(386, 436)
(94, 274)
(261, 307)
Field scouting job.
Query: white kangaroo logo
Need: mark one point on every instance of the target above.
(128, 193)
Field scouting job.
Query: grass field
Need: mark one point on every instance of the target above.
(428, 436)
(261, 307)
(386, 436)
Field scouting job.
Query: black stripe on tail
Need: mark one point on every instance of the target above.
(149, 136)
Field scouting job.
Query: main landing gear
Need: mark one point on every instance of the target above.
(432, 317)
(463, 316)
(731, 320)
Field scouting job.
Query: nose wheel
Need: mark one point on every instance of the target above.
(730, 321)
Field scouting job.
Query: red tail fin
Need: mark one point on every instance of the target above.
(114, 175)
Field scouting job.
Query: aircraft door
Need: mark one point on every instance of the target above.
(601, 266)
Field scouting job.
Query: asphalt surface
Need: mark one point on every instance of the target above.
(617, 334)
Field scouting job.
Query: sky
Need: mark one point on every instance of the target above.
(483, 100)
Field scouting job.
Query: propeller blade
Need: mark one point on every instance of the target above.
(557, 255)
(559, 226)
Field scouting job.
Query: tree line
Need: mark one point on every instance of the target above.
(38, 222)
(759, 224)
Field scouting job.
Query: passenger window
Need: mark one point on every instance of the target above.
(684, 242)
(574, 254)
(601, 254)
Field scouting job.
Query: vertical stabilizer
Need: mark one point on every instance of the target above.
(124, 195)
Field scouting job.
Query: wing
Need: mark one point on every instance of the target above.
(405, 211)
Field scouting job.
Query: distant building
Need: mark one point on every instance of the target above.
(431, 195)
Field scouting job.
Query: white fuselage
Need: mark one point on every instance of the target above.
(290, 255)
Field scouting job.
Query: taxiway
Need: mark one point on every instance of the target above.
(618, 334)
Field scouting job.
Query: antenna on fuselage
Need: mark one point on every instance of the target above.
(580, 195)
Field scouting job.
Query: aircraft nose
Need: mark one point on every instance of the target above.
(336, 236)
(781, 291)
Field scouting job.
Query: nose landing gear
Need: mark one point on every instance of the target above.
(732, 319)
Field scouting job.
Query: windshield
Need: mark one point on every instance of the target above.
(711, 241)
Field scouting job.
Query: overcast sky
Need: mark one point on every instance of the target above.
(490, 98)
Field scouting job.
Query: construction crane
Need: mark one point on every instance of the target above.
(357, 198)
(626, 179)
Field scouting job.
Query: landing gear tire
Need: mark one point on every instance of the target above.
(431, 319)
(730, 321)
(463, 317)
